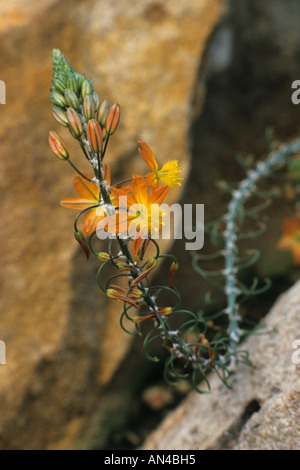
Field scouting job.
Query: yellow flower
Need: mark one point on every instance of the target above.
(168, 174)
(139, 211)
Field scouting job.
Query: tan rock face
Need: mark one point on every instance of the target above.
(63, 341)
(261, 412)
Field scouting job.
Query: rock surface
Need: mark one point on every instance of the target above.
(262, 412)
(63, 339)
(250, 64)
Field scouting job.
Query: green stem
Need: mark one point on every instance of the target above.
(239, 197)
(78, 171)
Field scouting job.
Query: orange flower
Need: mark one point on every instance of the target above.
(89, 196)
(291, 237)
(139, 214)
(168, 174)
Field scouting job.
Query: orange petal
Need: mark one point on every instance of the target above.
(140, 190)
(120, 195)
(291, 225)
(115, 223)
(86, 189)
(152, 180)
(77, 203)
(159, 195)
(92, 219)
(148, 156)
(126, 187)
(136, 246)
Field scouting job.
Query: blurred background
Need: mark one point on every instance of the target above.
(199, 81)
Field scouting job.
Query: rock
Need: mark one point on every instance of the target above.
(247, 76)
(63, 340)
(261, 412)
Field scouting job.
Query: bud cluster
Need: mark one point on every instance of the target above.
(77, 106)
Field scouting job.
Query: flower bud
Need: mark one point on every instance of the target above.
(102, 256)
(60, 84)
(114, 294)
(73, 84)
(173, 269)
(79, 236)
(58, 146)
(104, 134)
(86, 88)
(74, 123)
(149, 266)
(103, 113)
(165, 311)
(57, 99)
(71, 98)
(60, 116)
(89, 107)
(113, 119)
(96, 100)
(94, 135)
(79, 77)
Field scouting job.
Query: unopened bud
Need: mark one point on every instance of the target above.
(80, 77)
(150, 265)
(89, 107)
(73, 84)
(74, 123)
(173, 269)
(86, 88)
(104, 134)
(58, 146)
(94, 135)
(102, 256)
(103, 113)
(71, 98)
(165, 311)
(79, 236)
(57, 99)
(60, 116)
(59, 84)
(113, 119)
(96, 100)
